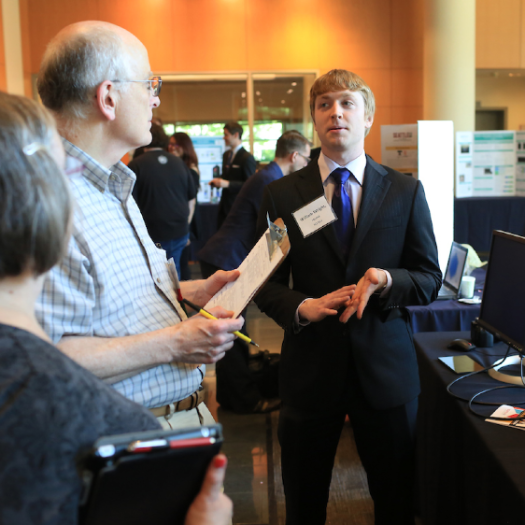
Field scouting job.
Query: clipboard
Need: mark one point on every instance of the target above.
(146, 477)
(260, 264)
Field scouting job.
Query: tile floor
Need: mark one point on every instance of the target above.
(246, 437)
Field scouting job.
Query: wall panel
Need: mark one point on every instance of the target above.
(3, 79)
(498, 33)
(284, 41)
(209, 35)
(151, 22)
(47, 18)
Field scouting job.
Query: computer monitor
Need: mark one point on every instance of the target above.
(503, 304)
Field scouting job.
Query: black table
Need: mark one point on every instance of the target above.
(476, 217)
(470, 471)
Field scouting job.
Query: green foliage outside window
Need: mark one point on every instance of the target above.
(265, 135)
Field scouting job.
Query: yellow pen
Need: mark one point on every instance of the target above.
(206, 314)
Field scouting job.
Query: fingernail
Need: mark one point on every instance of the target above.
(219, 461)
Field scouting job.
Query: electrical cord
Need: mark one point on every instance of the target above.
(472, 401)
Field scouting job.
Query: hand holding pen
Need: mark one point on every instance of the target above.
(208, 315)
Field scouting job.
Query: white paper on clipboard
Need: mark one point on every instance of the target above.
(255, 270)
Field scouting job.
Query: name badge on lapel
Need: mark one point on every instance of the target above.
(314, 216)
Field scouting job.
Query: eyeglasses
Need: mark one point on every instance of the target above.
(155, 83)
(308, 159)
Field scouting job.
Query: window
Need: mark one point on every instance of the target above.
(265, 104)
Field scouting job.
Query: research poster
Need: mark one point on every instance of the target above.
(209, 151)
(487, 163)
(464, 170)
(399, 148)
(494, 161)
(520, 163)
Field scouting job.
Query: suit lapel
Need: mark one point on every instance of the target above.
(375, 188)
(310, 187)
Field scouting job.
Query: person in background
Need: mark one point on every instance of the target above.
(182, 146)
(165, 194)
(236, 388)
(51, 409)
(237, 166)
(111, 304)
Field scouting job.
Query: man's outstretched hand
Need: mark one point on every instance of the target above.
(373, 280)
(314, 310)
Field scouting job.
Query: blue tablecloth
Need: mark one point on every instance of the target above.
(447, 316)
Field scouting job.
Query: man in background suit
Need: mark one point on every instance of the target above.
(236, 388)
(361, 363)
(237, 165)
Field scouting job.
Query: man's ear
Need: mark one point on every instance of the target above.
(369, 121)
(106, 99)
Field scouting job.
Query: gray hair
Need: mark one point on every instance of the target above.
(35, 203)
(72, 70)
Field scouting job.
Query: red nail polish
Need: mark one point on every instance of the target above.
(220, 461)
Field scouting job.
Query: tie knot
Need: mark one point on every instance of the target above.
(340, 175)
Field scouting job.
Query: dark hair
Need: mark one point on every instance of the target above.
(71, 71)
(189, 156)
(234, 127)
(159, 139)
(289, 142)
(35, 203)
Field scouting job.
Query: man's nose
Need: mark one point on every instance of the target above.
(337, 110)
(156, 102)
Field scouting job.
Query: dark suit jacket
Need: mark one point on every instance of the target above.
(394, 232)
(230, 245)
(242, 167)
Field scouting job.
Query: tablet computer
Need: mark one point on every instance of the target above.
(146, 477)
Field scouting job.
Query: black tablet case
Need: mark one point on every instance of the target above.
(155, 487)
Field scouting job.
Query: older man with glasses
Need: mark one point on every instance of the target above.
(111, 304)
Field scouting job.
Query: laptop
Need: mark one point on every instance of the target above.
(455, 268)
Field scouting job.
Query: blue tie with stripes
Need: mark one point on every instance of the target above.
(342, 205)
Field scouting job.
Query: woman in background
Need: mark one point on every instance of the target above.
(51, 409)
(182, 146)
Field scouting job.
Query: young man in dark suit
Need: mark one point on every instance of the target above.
(237, 165)
(348, 348)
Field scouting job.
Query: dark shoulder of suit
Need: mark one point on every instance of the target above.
(230, 245)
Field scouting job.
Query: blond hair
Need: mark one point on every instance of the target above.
(341, 80)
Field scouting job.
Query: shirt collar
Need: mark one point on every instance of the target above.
(100, 176)
(356, 166)
(236, 149)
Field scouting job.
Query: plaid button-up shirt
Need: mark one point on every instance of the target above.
(114, 281)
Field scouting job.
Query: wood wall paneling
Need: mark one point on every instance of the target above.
(407, 34)
(383, 116)
(498, 33)
(210, 35)
(406, 114)
(47, 18)
(355, 34)
(281, 35)
(151, 22)
(3, 78)
(407, 87)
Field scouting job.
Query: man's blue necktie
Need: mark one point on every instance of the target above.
(342, 205)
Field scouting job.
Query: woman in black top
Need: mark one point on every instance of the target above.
(181, 145)
(51, 409)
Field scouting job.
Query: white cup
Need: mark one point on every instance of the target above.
(466, 289)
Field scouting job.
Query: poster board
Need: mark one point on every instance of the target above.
(488, 163)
